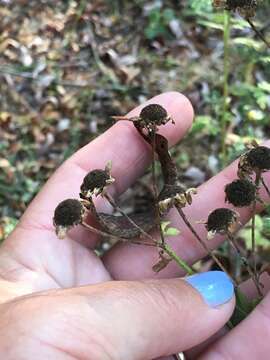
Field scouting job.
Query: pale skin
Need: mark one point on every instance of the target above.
(58, 300)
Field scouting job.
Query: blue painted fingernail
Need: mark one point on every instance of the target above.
(215, 287)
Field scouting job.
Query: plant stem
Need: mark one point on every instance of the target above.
(153, 143)
(164, 246)
(253, 213)
(257, 32)
(209, 252)
(113, 237)
(182, 264)
(226, 67)
(244, 262)
(265, 186)
(113, 203)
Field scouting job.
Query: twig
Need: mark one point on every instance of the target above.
(258, 32)
(182, 264)
(209, 252)
(153, 143)
(113, 203)
(244, 262)
(265, 186)
(105, 234)
(162, 245)
(253, 213)
(226, 64)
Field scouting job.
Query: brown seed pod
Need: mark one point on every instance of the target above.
(154, 114)
(221, 221)
(67, 214)
(95, 182)
(240, 192)
(259, 158)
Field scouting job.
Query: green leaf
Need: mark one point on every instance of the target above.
(251, 43)
(204, 123)
(261, 240)
(169, 231)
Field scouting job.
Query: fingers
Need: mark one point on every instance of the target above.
(122, 145)
(121, 320)
(127, 261)
(249, 340)
(249, 289)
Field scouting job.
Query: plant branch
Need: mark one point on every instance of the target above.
(209, 252)
(153, 143)
(258, 32)
(265, 186)
(244, 262)
(253, 213)
(107, 235)
(182, 264)
(226, 66)
(162, 245)
(113, 203)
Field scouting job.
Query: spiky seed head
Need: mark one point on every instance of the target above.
(259, 158)
(154, 114)
(68, 213)
(240, 192)
(95, 182)
(221, 220)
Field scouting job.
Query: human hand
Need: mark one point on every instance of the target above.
(58, 299)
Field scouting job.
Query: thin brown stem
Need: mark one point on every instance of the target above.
(253, 213)
(107, 235)
(162, 245)
(153, 143)
(244, 262)
(265, 186)
(258, 32)
(209, 252)
(113, 203)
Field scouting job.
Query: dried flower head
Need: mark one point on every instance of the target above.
(259, 158)
(95, 182)
(246, 8)
(154, 113)
(150, 117)
(240, 192)
(67, 214)
(221, 221)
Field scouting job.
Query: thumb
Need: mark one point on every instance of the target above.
(154, 318)
(119, 320)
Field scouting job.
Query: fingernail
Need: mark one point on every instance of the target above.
(215, 287)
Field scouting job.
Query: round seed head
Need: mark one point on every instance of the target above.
(240, 192)
(67, 214)
(95, 182)
(221, 221)
(259, 157)
(154, 114)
